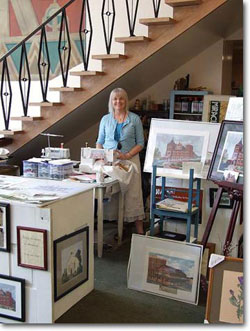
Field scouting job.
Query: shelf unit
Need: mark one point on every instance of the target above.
(186, 99)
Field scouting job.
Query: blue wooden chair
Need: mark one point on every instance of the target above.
(191, 216)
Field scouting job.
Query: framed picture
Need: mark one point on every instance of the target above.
(12, 298)
(71, 262)
(209, 249)
(173, 143)
(228, 153)
(165, 267)
(225, 299)
(215, 107)
(181, 195)
(4, 227)
(32, 248)
(225, 201)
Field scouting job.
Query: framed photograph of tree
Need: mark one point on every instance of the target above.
(71, 262)
(227, 161)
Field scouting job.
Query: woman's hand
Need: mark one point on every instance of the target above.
(122, 156)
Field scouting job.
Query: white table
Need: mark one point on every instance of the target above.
(113, 187)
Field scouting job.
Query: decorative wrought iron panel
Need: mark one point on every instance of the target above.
(108, 21)
(6, 93)
(43, 64)
(132, 9)
(85, 33)
(24, 79)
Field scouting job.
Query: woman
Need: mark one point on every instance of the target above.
(122, 130)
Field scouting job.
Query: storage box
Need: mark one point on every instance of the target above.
(44, 170)
(60, 170)
(30, 169)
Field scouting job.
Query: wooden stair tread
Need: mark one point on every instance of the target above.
(66, 89)
(26, 118)
(179, 3)
(131, 39)
(45, 104)
(10, 132)
(157, 21)
(109, 57)
(86, 73)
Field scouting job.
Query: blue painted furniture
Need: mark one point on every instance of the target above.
(192, 214)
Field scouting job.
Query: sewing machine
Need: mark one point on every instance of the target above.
(92, 158)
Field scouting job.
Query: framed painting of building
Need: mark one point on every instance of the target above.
(225, 299)
(4, 227)
(227, 162)
(174, 143)
(215, 107)
(71, 262)
(12, 298)
(165, 267)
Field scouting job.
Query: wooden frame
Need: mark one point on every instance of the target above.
(228, 146)
(4, 227)
(71, 262)
(12, 298)
(32, 248)
(215, 107)
(207, 251)
(225, 284)
(225, 201)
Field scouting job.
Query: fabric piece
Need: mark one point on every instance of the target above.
(133, 201)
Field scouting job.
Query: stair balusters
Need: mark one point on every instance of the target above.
(156, 5)
(132, 14)
(43, 64)
(64, 48)
(24, 79)
(85, 33)
(6, 93)
(108, 18)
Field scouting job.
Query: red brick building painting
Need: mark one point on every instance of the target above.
(6, 300)
(232, 154)
(179, 151)
(162, 273)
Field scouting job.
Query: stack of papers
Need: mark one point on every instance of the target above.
(174, 205)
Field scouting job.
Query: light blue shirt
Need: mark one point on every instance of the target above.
(131, 132)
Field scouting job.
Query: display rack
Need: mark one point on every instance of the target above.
(186, 105)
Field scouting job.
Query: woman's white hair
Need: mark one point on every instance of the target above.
(122, 93)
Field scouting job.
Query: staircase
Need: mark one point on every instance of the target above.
(81, 105)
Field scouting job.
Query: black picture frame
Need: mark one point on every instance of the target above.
(229, 144)
(225, 201)
(12, 298)
(71, 262)
(4, 227)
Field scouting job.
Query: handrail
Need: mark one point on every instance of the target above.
(36, 30)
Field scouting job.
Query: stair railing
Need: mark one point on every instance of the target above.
(108, 14)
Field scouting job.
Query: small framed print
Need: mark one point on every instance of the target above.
(12, 298)
(32, 248)
(71, 262)
(225, 201)
(4, 227)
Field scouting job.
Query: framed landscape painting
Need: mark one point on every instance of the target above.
(165, 267)
(228, 159)
(71, 262)
(225, 299)
(12, 298)
(174, 143)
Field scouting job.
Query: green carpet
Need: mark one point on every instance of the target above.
(112, 302)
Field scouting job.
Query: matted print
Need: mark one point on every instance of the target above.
(12, 298)
(174, 143)
(71, 262)
(165, 267)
